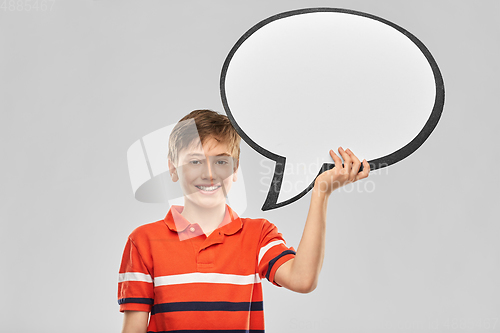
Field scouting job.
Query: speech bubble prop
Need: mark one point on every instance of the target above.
(306, 81)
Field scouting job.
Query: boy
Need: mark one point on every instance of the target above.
(200, 268)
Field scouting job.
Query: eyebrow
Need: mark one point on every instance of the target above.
(202, 155)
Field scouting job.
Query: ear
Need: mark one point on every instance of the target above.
(173, 171)
(235, 172)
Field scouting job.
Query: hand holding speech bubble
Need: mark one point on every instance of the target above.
(303, 82)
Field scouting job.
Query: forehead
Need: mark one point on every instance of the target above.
(210, 147)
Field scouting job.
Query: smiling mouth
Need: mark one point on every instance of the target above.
(208, 188)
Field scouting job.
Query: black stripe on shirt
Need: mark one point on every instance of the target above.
(207, 306)
(136, 300)
(273, 261)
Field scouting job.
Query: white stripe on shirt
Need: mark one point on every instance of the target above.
(206, 278)
(134, 276)
(264, 249)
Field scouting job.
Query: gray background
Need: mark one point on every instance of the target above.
(417, 251)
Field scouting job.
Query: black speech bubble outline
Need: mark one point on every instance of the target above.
(398, 155)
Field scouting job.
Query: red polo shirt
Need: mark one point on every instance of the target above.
(191, 282)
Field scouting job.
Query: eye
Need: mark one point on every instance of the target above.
(195, 162)
(221, 162)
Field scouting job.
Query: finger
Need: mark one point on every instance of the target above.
(365, 172)
(355, 165)
(347, 160)
(336, 159)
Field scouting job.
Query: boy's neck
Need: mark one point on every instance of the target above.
(207, 218)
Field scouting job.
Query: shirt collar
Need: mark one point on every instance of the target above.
(230, 224)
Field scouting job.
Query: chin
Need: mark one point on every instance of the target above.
(207, 203)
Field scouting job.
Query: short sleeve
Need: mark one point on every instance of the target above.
(135, 284)
(273, 252)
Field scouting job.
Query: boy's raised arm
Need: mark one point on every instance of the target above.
(135, 321)
(301, 273)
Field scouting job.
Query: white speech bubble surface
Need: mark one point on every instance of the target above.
(301, 83)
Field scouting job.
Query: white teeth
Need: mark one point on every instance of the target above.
(208, 188)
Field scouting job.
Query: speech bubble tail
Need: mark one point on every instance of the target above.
(272, 197)
(275, 187)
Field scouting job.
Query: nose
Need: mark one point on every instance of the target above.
(207, 171)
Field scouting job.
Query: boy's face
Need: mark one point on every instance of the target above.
(205, 173)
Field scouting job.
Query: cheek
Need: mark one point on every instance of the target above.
(229, 179)
(188, 173)
(228, 183)
(225, 173)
